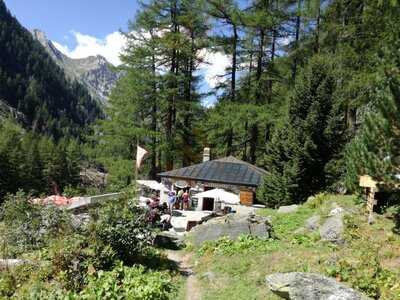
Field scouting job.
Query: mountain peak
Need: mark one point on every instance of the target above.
(97, 59)
(94, 72)
(40, 36)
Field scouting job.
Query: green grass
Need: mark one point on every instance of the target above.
(239, 267)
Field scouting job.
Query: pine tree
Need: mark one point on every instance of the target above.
(30, 166)
(376, 149)
(301, 149)
(10, 136)
(74, 158)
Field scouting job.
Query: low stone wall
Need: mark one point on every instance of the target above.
(84, 202)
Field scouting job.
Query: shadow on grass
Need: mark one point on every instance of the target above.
(389, 204)
(396, 219)
(158, 262)
(169, 241)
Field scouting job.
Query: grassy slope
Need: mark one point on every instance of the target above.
(369, 260)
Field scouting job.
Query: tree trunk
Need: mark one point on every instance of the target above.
(351, 119)
(229, 142)
(296, 44)
(250, 73)
(253, 142)
(170, 116)
(316, 47)
(234, 63)
(187, 138)
(271, 64)
(244, 156)
(153, 170)
(229, 138)
(259, 71)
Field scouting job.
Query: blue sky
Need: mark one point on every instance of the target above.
(58, 18)
(80, 28)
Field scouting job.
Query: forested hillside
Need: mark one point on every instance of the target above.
(305, 79)
(35, 86)
(43, 116)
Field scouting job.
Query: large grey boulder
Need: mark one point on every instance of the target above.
(288, 209)
(332, 229)
(231, 226)
(335, 211)
(308, 286)
(168, 240)
(80, 221)
(313, 223)
(9, 263)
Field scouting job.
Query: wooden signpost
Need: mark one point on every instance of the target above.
(371, 187)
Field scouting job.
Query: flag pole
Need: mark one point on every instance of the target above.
(136, 164)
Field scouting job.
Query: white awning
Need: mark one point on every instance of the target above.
(152, 184)
(221, 195)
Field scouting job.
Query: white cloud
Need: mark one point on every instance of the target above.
(214, 68)
(62, 48)
(113, 44)
(110, 47)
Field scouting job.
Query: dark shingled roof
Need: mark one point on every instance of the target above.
(228, 170)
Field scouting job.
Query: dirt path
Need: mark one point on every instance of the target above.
(192, 287)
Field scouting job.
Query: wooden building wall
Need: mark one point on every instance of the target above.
(246, 198)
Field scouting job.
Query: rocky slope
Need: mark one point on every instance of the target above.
(95, 72)
(6, 111)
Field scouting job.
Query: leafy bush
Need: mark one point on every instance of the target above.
(28, 226)
(7, 285)
(366, 273)
(317, 200)
(124, 229)
(133, 283)
(69, 259)
(73, 256)
(128, 283)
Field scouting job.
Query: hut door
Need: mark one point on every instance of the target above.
(246, 198)
(208, 204)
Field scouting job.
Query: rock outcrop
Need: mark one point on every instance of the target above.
(80, 221)
(288, 209)
(12, 263)
(308, 286)
(313, 223)
(333, 228)
(168, 240)
(231, 226)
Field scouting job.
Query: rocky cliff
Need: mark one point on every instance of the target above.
(95, 72)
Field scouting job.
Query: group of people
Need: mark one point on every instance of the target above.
(179, 200)
(158, 214)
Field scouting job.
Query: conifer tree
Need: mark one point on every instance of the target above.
(300, 149)
(376, 149)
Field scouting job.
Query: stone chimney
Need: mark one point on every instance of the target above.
(206, 154)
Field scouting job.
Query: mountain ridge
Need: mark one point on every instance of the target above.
(95, 72)
(34, 89)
